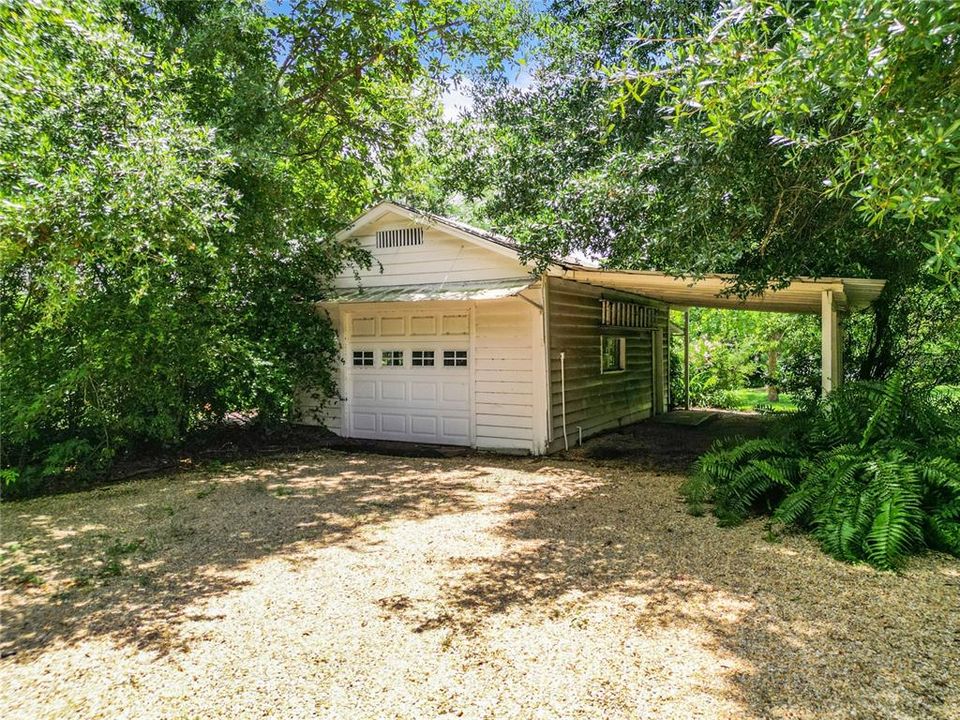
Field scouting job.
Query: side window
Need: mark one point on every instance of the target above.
(391, 358)
(613, 354)
(363, 358)
(422, 358)
(454, 358)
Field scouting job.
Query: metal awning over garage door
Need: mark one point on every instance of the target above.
(473, 290)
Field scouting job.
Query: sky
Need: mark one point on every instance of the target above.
(457, 101)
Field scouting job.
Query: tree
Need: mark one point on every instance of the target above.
(866, 91)
(528, 159)
(166, 188)
(735, 349)
(638, 155)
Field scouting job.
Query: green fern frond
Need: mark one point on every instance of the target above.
(944, 533)
(885, 420)
(892, 534)
(796, 507)
(697, 489)
(941, 472)
(862, 468)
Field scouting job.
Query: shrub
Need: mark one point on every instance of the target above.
(873, 471)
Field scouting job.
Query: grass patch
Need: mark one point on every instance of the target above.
(110, 569)
(22, 576)
(119, 548)
(747, 399)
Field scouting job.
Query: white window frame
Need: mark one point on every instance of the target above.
(428, 358)
(456, 359)
(393, 357)
(622, 351)
(363, 358)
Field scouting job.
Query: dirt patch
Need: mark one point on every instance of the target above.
(658, 444)
(354, 586)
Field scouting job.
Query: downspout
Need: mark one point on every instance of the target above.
(547, 362)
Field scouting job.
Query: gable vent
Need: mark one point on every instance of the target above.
(615, 313)
(400, 238)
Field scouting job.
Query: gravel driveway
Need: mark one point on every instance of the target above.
(359, 586)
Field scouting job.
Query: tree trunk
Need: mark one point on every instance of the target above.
(773, 353)
(880, 359)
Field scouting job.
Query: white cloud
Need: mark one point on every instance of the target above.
(457, 100)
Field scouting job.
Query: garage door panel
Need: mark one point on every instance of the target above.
(420, 402)
(393, 390)
(423, 425)
(423, 325)
(364, 389)
(454, 429)
(456, 325)
(393, 423)
(422, 392)
(392, 325)
(364, 421)
(456, 392)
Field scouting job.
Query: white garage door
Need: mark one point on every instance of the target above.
(410, 377)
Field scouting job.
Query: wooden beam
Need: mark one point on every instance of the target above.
(686, 359)
(829, 343)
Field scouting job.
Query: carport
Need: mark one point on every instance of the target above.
(830, 298)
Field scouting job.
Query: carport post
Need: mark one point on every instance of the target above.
(686, 359)
(829, 342)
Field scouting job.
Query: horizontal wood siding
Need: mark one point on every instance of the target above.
(504, 374)
(314, 408)
(441, 258)
(596, 401)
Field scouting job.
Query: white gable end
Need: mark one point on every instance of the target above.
(428, 254)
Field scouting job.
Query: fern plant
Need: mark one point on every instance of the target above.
(873, 471)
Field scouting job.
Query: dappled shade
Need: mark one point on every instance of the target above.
(349, 584)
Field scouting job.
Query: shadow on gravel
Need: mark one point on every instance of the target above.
(818, 638)
(124, 561)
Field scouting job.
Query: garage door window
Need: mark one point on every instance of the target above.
(363, 358)
(422, 358)
(454, 358)
(392, 358)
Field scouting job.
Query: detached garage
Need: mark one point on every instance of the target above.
(450, 339)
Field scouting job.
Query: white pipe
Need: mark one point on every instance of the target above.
(579, 436)
(563, 401)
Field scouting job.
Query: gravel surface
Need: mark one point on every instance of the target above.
(338, 585)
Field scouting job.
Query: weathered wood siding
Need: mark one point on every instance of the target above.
(509, 388)
(441, 258)
(596, 401)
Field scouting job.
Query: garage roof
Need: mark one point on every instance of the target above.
(800, 295)
(469, 290)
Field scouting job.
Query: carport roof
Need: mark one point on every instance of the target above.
(801, 295)
(467, 290)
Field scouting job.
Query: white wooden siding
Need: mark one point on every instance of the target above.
(595, 401)
(509, 387)
(441, 258)
(506, 365)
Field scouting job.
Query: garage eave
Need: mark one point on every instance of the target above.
(468, 290)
